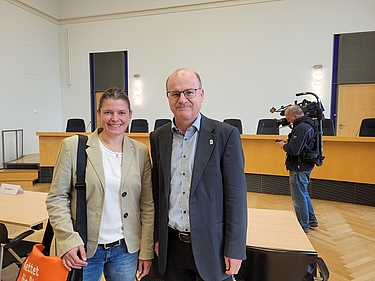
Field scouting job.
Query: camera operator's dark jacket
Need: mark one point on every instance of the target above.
(300, 136)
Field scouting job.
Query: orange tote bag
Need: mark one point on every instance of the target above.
(38, 267)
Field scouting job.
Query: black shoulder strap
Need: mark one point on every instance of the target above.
(309, 144)
(313, 139)
(81, 223)
(315, 126)
(81, 199)
(312, 123)
(47, 239)
(314, 155)
(81, 226)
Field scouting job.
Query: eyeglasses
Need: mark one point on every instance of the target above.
(189, 94)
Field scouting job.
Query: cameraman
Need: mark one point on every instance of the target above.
(299, 170)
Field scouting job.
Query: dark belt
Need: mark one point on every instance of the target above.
(113, 244)
(183, 236)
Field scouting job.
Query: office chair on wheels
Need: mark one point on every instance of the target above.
(13, 250)
(17, 249)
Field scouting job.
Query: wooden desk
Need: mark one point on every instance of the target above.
(49, 143)
(349, 159)
(26, 209)
(276, 229)
(277, 248)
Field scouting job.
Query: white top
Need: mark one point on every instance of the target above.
(111, 223)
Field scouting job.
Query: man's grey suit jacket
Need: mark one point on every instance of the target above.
(218, 208)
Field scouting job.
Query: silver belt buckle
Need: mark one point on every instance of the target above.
(184, 237)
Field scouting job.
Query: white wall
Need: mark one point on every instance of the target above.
(69, 9)
(47, 7)
(250, 57)
(29, 75)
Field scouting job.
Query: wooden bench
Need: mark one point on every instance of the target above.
(22, 177)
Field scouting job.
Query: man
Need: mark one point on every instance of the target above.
(199, 189)
(299, 169)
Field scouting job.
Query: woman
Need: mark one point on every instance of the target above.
(120, 208)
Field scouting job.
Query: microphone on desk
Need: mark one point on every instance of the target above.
(261, 129)
(88, 126)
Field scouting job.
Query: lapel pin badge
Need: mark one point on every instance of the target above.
(211, 142)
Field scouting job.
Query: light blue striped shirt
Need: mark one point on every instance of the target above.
(182, 162)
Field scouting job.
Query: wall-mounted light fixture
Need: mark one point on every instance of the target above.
(317, 79)
(137, 89)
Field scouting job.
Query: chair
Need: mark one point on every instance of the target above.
(13, 250)
(367, 128)
(75, 125)
(139, 126)
(235, 122)
(268, 127)
(328, 127)
(269, 264)
(161, 122)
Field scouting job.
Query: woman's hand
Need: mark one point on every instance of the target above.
(143, 268)
(75, 258)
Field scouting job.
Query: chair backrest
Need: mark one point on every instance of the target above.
(161, 122)
(13, 250)
(75, 125)
(3, 233)
(139, 126)
(367, 128)
(328, 127)
(268, 127)
(234, 122)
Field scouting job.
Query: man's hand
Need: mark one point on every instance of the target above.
(232, 266)
(156, 248)
(280, 143)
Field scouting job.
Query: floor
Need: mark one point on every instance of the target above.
(345, 238)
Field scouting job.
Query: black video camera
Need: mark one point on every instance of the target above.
(310, 108)
(315, 111)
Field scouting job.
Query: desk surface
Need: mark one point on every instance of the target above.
(348, 159)
(27, 209)
(263, 157)
(276, 229)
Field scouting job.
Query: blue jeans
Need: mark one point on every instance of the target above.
(299, 182)
(116, 263)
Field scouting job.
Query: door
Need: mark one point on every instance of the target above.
(98, 95)
(354, 103)
(107, 69)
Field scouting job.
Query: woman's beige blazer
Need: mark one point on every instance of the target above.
(136, 193)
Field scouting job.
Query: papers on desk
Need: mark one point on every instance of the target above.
(12, 189)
